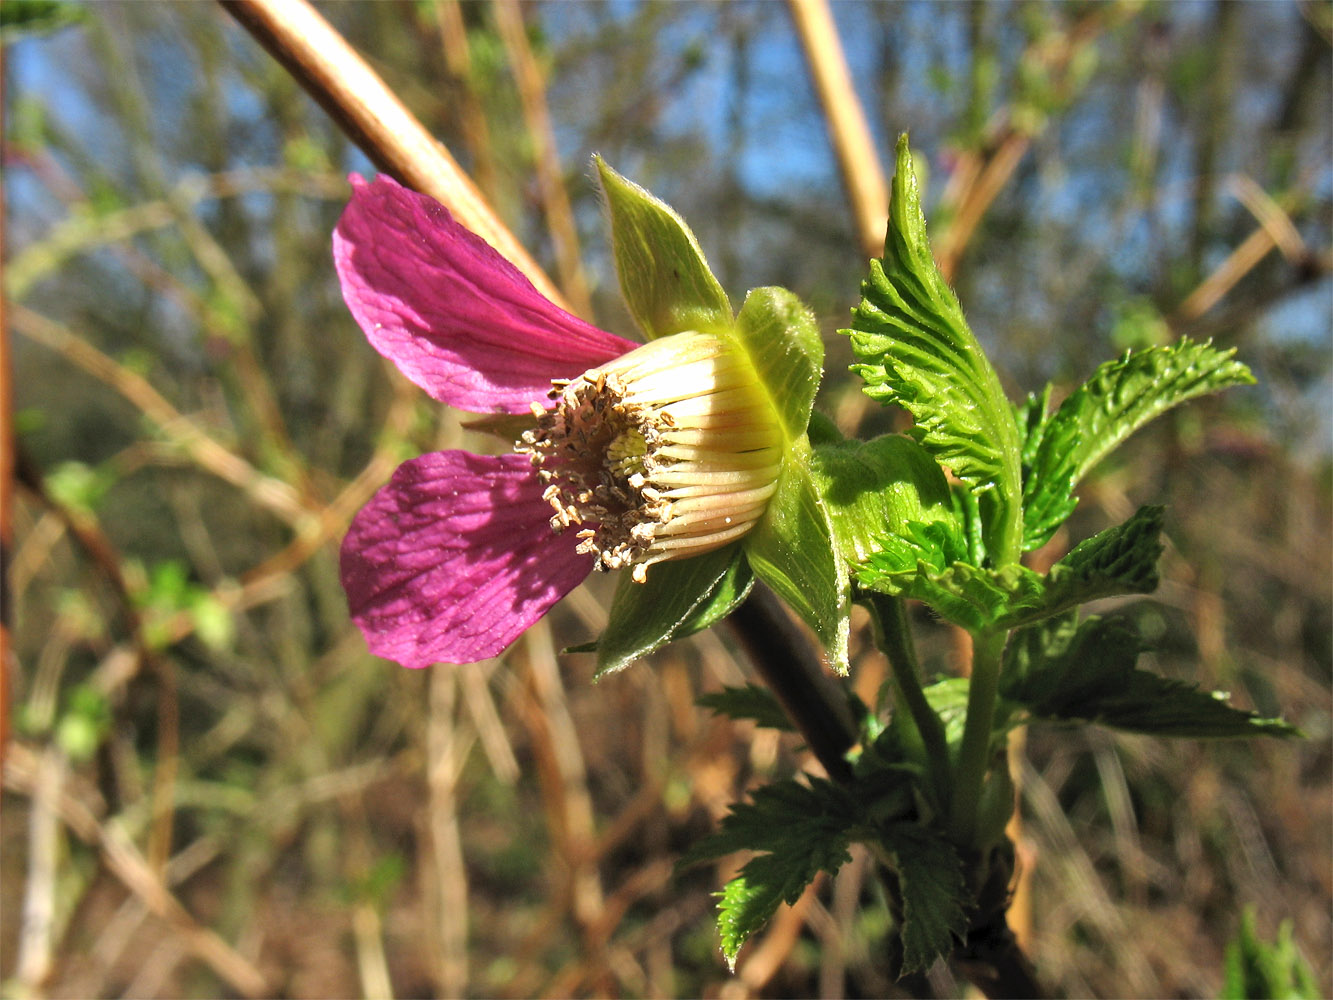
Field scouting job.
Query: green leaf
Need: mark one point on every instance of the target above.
(663, 274)
(1065, 670)
(916, 350)
(792, 550)
(78, 487)
(1048, 493)
(1119, 560)
(933, 892)
(1119, 398)
(749, 702)
(781, 338)
(678, 598)
(1257, 970)
(873, 488)
(803, 829)
(924, 562)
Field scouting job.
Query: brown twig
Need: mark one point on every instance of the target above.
(7, 443)
(849, 131)
(22, 773)
(273, 494)
(546, 157)
(472, 116)
(89, 535)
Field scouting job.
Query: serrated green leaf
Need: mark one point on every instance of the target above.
(924, 562)
(664, 277)
(873, 488)
(1065, 670)
(792, 550)
(783, 816)
(781, 338)
(748, 702)
(678, 598)
(1120, 397)
(915, 349)
(802, 830)
(1120, 560)
(933, 891)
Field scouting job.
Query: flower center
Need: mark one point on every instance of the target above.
(666, 452)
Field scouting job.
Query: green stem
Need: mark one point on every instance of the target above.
(893, 636)
(974, 752)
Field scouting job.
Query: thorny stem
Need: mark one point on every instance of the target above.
(893, 636)
(787, 661)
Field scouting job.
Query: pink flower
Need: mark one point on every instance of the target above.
(638, 453)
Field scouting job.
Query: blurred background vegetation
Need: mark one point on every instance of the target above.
(212, 788)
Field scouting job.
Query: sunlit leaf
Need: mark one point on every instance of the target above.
(916, 350)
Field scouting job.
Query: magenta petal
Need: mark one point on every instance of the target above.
(454, 558)
(455, 317)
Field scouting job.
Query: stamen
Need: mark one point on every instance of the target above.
(664, 453)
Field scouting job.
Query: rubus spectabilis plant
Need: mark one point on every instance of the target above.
(695, 464)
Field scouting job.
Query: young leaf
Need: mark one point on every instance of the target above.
(802, 830)
(749, 702)
(782, 339)
(916, 350)
(663, 274)
(1048, 491)
(1070, 671)
(924, 562)
(679, 598)
(1119, 560)
(1119, 398)
(933, 892)
(792, 550)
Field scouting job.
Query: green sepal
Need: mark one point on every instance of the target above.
(792, 550)
(1070, 671)
(874, 487)
(664, 277)
(781, 338)
(1120, 397)
(678, 598)
(915, 350)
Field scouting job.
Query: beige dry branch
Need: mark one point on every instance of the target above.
(334, 74)
(849, 131)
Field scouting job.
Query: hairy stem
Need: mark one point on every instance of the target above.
(974, 753)
(894, 638)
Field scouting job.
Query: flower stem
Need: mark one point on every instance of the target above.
(974, 752)
(893, 636)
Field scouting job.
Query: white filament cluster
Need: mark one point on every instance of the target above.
(666, 452)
